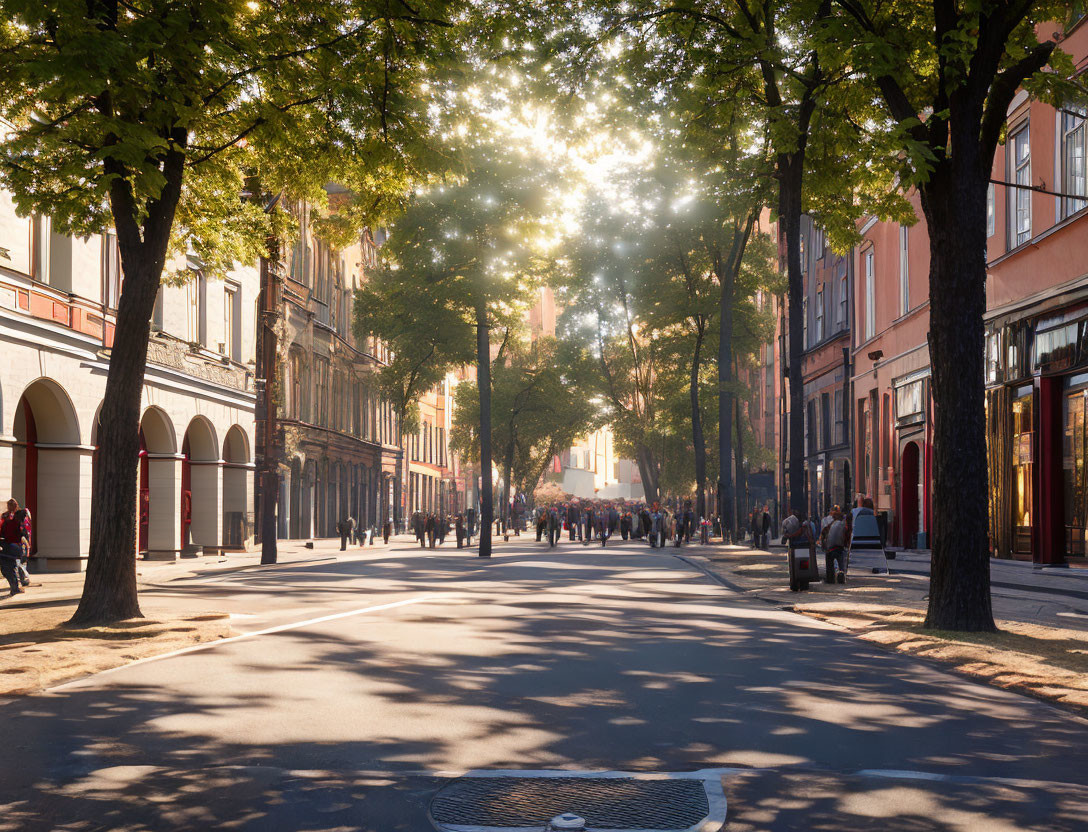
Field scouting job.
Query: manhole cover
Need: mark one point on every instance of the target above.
(606, 803)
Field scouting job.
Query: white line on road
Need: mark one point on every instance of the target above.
(279, 628)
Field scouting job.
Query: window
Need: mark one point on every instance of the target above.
(844, 300)
(825, 420)
(819, 242)
(17, 238)
(904, 270)
(298, 405)
(232, 324)
(840, 438)
(321, 391)
(111, 270)
(991, 211)
(196, 291)
(804, 321)
(819, 315)
(870, 296)
(1019, 160)
(1073, 176)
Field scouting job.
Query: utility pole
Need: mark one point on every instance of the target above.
(268, 434)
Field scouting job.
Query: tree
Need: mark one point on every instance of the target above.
(946, 73)
(463, 251)
(537, 411)
(147, 116)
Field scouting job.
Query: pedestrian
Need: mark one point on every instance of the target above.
(12, 532)
(835, 549)
(387, 528)
(345, 527)
(574, 527)
(442, 528)
(459, 531)
(429, 529)
(553, 526)
(765, 526)
(625, 526)
(23, 516)
(418, 527)
(541, 523)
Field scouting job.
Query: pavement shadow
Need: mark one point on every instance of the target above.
(535, 660)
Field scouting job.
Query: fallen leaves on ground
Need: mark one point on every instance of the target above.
(1046, 662)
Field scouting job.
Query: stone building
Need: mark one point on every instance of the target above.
(58, 299)
(341, 452)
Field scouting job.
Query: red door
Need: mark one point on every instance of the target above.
(186, 494)
(145, 494)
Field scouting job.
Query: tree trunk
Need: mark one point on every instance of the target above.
(647, 469)
(109, 589)
(742, 503)
(483, 385)
(697, 424)
(789, 208)
(508, 471)
(726, 497)
(954, 202)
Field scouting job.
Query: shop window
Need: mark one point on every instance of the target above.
(1074, 449)
(1023, 469)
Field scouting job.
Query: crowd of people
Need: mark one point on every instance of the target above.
(593, 521)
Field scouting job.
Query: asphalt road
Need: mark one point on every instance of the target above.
(359, 687)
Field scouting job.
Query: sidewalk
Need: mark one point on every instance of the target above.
(55, 587)
(1041, 648)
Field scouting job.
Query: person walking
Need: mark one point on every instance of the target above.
(387, 528)
(835, 548)
(553, 526)
(574, 527)
(23, 516)
(345, 527)
(13, 529)
(429, 528)
(765, 526)
(459, 531)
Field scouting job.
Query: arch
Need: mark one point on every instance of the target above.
(52, 410)
(909, 502)
(158, 432)
(236, 445)
(48, 459)
(237, 489)
(201, 440)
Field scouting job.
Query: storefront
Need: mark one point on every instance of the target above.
(1037, 435)
(913, 466)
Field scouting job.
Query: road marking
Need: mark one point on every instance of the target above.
(279, 628)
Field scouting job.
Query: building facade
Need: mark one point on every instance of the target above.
(826, 362)
(58, 299)
(433, 486)
(341, 454)
(891, 391)
(1037, 329)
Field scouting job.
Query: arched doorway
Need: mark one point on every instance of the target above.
(158, 528)
(50, 474)
(201, 487)
(909, 494)
(237, 482)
